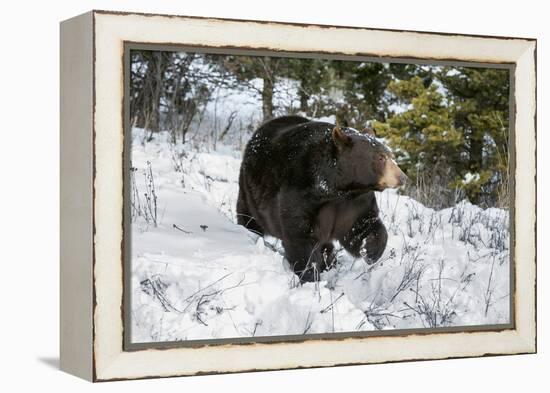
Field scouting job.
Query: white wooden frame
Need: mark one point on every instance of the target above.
(92, 85)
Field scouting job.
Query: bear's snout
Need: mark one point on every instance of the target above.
(402, 179)
(392, 176)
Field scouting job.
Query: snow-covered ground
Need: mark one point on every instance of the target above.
(196, 274)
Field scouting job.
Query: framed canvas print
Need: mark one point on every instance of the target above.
(246, 195)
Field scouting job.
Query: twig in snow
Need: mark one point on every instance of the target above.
(155, 287)
(308, 323)
(489, 291)
(258, 323)
(206, 287)
(330, 306)
(181, 229)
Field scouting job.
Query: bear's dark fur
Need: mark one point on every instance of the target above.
(309, 183)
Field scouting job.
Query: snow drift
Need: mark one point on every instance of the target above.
(196, 274)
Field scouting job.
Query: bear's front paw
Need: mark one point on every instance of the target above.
(369, 252)
(365, 254)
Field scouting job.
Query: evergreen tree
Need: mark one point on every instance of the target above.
(424, 134)
(452, 126)
(480, 101)
(363, 85)
(314, 77)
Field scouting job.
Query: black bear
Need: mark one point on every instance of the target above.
(311, 182)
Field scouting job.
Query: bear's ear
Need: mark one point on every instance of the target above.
(369, 131)
(340, 139)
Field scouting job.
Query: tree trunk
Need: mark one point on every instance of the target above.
(157, 92)
(267, 98)
(476, 155)
(267, 90)
(304, 70)
(304, 97)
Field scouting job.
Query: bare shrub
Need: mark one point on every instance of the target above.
(433, 308)
(178, 156)
(150, 196)
(431, 187)
(148, 207)
(503, 191)
(135, 200)
(201, 304)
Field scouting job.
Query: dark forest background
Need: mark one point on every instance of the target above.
(448, 125)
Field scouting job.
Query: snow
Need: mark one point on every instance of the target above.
(323, 185)
(470, 177)
(400, 108)
(328, 119)
(199, 275)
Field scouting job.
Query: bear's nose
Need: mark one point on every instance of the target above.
(403, 179)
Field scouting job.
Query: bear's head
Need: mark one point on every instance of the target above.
(365, 163)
